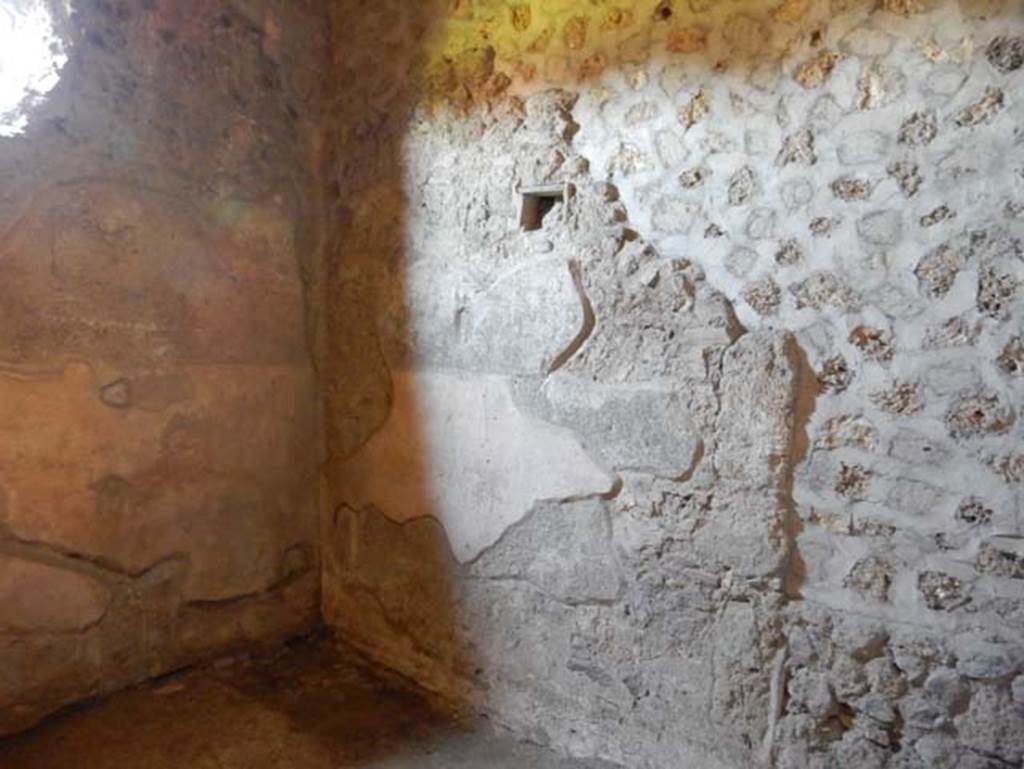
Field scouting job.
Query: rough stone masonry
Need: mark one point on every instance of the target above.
(717, 463)
(721, 466)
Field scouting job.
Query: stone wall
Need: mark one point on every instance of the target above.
(158, 239)
(722, 464)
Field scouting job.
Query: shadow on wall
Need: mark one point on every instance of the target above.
(398, 539)
(392, 592)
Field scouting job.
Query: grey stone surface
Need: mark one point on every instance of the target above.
(792, 239)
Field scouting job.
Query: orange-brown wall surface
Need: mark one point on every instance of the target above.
(158, 236)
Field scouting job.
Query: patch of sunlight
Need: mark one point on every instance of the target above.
(31, 58)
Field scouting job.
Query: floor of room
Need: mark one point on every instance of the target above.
(305, 707)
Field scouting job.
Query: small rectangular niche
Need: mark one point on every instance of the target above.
(537, 202)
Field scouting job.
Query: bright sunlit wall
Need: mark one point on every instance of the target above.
(31, 58)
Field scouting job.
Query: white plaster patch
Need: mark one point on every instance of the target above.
(456, 448)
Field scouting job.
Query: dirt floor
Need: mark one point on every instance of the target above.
(306, 707)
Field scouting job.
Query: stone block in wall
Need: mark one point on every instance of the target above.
(453, 317)
(564, 551)
(755, 425)
(636, 429)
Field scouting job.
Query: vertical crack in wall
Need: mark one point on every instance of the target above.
(805, 394)
(588, 322)
(776, 704)
(699, 453)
